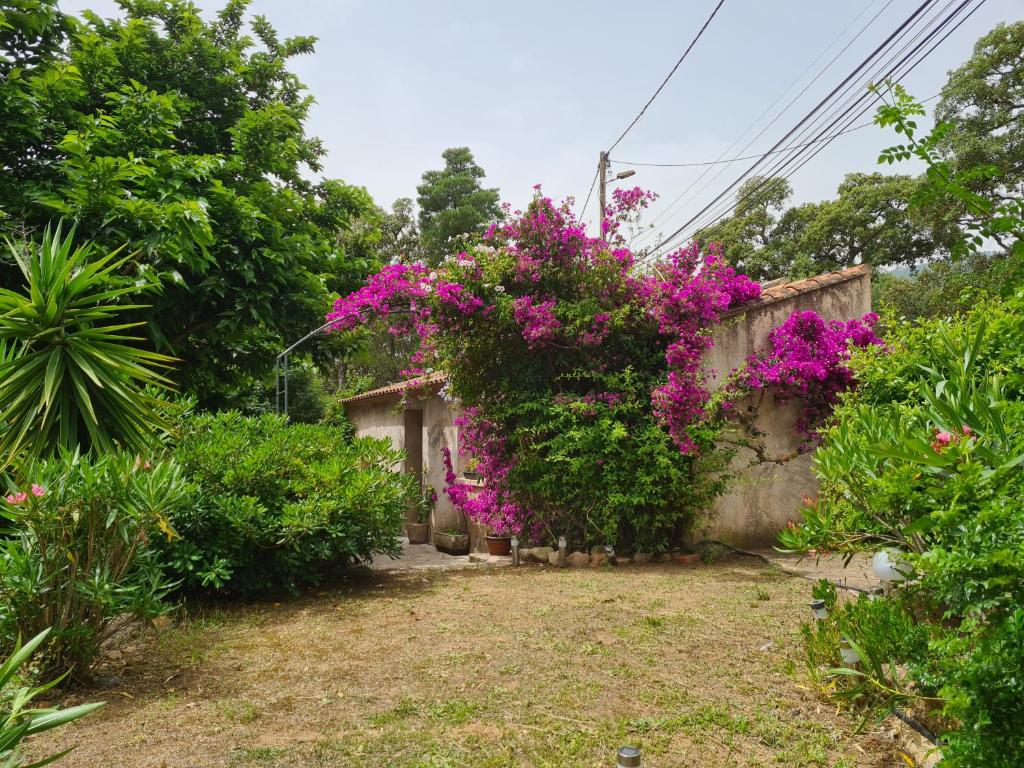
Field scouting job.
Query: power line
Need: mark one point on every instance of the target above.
(869, 97)
(667, 77)
(898, 32)
(737, 159)
(684, 193)
(590, 191)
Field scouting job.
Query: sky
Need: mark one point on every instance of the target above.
(537, 88)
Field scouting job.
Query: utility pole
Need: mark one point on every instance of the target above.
(602, 180)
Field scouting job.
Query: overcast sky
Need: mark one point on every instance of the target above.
(537, 87)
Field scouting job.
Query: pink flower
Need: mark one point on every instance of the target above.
(942, 440)
(966, 430)
(17, 498)
(38, 490)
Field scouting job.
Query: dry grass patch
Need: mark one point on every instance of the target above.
(534, 667)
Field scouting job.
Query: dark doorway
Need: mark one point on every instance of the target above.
(414, 444)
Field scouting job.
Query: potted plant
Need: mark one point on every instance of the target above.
(419, 531)
(452, 541)
(499, 544)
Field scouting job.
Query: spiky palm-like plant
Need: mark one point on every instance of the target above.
(69, 375)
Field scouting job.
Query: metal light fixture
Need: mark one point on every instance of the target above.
(627, 757)
(625, 174)
(820, 611)
(515, 550)
(562, 552)
(849, 655)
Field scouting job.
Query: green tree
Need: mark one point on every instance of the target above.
(453, 202)
(983, 101)
(185, 139)
(868, 222)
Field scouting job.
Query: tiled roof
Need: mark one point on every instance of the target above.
(790, 290)
(431, 380)
(769, 295)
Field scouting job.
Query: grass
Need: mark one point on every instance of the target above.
(534, 667)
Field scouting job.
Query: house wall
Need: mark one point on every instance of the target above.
(764, 495)
(767, 495)
(384, 418)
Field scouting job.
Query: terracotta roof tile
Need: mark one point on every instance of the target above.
(431, 380)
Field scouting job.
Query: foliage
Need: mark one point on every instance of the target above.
(71, 377)
(868, 222)
(571, 364)
(278, 505)
(185, 139)
(79, 558)
(925, 456)
(986, 214)
(942, 288)
(17, 720)
(453, 203)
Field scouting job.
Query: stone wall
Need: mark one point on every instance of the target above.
(766, 495)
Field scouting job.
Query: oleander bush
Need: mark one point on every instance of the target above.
(278, 505)
(78, 555)
(926, 457)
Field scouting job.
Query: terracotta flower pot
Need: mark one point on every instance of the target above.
(499, 545)
(418, 533)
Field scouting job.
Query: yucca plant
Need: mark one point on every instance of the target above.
(70, 377)
(17, 720)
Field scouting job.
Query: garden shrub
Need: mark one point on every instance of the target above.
(78, 555)
(278, 505)
(926, 456)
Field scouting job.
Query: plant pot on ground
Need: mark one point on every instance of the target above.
(419, 531)
(451, 541)
(499, 544)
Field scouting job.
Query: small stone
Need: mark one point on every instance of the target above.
(598, 558)
(579, 559)
(552, 557)
(623, 560)
(642, 557)
(524, 554)
(686, 559)
(541, 554)
(478, 557)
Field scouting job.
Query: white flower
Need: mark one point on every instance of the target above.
(499, 288)
(433, 275)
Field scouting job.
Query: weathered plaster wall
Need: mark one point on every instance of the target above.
(766, 495)
(383, 418)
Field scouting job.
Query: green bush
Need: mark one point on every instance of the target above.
(926, 456)
(78, 556)
(279, 505)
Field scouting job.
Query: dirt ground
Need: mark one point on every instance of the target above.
(525, 667)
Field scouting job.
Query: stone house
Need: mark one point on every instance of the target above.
(770, 481)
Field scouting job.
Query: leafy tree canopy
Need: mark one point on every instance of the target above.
(453, 202)
(185, 140)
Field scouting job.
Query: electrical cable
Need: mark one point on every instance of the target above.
(668, 77)
(928, 37)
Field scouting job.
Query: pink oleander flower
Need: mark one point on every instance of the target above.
(17, 498)
(38, 490)
(941, 441)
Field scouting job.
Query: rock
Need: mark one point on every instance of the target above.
(524, 554)
(686, 559)
(162, 622)
(541, 554)
(598, 558)
(579, 559)
(623, 560)
(642, 557)
(479, 557)
(553, 557)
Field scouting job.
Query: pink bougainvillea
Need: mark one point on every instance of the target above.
(539, 315)
(806, 358)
